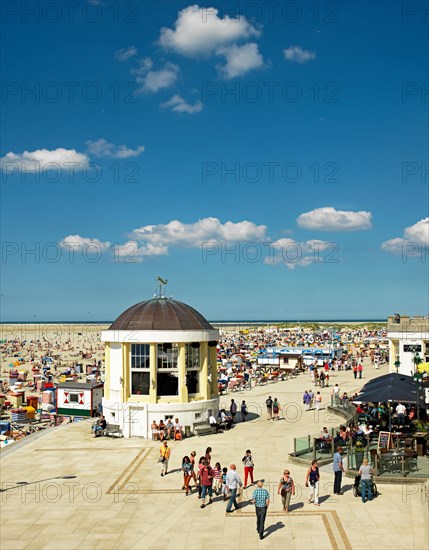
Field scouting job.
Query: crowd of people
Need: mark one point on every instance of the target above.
(207, 479)
(163, 431)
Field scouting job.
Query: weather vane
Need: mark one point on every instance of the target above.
(160, 288)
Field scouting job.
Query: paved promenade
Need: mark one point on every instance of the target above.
(66, 490)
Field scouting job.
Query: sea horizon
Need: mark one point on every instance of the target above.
(214, 321)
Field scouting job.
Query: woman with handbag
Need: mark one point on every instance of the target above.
(286, 489)
(164, 455)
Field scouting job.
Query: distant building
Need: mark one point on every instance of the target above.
(294, 357)
(160, 362)
(408, 336)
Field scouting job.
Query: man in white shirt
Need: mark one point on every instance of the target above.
(225, 419)
(336, 395)
(233, 482)
(401, 412)
(213, 423)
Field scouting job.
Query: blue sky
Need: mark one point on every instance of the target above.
(270, 164)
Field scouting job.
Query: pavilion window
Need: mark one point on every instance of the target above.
(140, 370)
(193, 368)
(167, 371)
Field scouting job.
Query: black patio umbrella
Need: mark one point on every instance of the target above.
(399, 380)
(389, 392)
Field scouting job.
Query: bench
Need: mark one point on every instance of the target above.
(112, 430)
(204, 428)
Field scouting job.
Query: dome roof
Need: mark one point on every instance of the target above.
(161, 314)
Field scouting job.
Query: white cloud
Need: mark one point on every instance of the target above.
(206, 230)
(102, 148)
(417, 234)
(298, 54)
(329, 219)
(77, 243)
(199, 31)
(179, 105)
(154, 80)
(125, 53)
(240, 59)
(43, 159)
(393, 246)
(294, 254)
(132, 252)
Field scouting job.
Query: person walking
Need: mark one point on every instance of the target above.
(217, 478)
(248, 463)
(164, 456)
(244, 411)
(365, 472)
(233, 482)
(286, 489)
(306, 399)
(187, 473)
(355, 370)
(276, 409)
(336, 395)
(233, 410)
(261, 500)
(208, 455)
(338, 468)
(360, 369)
(269, 405)
(318, 400)
(312, 478)
(311, 395)
(200, 467)
(192, 461)
(206, 474)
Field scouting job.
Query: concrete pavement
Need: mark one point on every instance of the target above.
(67, 490)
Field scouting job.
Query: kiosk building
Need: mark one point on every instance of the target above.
(160, 362)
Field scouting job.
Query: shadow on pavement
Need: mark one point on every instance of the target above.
(273, 528)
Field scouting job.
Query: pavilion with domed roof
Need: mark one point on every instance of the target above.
(160, 362)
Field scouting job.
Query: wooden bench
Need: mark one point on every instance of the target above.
(113, 430)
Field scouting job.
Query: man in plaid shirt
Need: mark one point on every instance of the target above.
(261, 500)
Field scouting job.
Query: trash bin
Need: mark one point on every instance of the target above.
(187, 431)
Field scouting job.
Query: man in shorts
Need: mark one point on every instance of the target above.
(269, 405)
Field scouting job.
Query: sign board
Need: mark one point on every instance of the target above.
(384, 441)
(413, 348)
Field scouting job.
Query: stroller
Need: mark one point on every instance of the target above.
(357, 488)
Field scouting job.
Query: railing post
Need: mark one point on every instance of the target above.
(294, 446)
(309, 442)
(314, 448)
